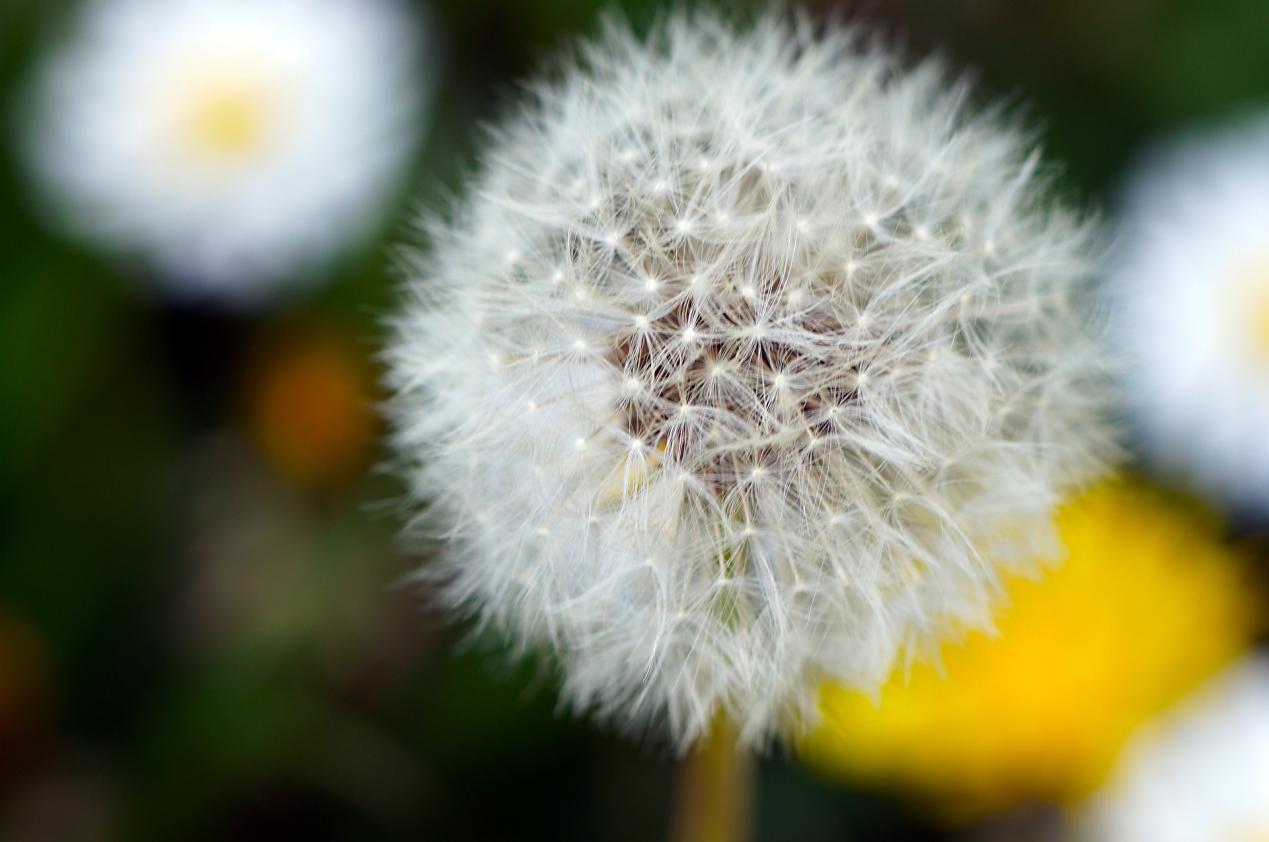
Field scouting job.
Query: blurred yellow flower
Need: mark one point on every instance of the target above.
(1148, 604)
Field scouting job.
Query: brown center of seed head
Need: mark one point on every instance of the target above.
(721, 396)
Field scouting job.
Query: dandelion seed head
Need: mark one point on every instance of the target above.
(895, 526)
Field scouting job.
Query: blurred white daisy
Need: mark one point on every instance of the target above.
(1201, 774)
(238, 145)
(752, 358)
(1192, 282)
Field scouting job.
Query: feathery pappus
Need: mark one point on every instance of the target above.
(753, 358)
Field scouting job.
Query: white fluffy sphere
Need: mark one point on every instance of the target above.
(750, 360)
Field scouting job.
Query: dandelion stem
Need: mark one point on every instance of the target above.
(714, 791)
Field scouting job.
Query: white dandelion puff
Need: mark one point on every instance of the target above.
(813, 441)
(1192, 283)
(1200, 772)
(235, 145)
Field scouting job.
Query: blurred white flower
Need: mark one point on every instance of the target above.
(1200, 773)
(1192, 282)
(751, 358)
(236, 144)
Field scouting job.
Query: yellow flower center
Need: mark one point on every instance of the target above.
(226, 121)
(1258, 318)
(1248, 308)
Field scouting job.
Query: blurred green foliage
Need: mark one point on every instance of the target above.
(227, 656)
